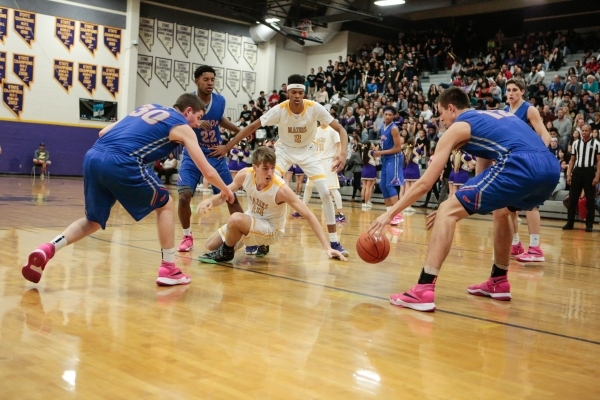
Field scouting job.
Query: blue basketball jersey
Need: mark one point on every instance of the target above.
(214, 113)
(143, 134)
(387, 141)
(521, 112)
(495, 134)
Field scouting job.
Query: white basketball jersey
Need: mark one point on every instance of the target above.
(261, 204)
(326, 142)
(296, 130)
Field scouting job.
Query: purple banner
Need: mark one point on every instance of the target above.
(2, 66)
(23, 68)
(63, 73)
(87, 76)
(3, 23)
(88, 35)
(110, 80)
(65, 32)
(112, 40)
(25, 25)
(12, 96)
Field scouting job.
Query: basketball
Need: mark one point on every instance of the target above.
(372, 249)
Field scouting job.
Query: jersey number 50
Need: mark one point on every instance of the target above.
(149, 114)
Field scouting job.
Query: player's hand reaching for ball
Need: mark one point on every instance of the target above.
(204, 206)
(377, 226)
(331, 253)
(430, 220)
(218, 151)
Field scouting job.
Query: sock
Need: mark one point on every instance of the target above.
(59, 242)
(428, 275)
(498, 271)
(534, 240)
(333, 237)
(187, 232)
(516, 239)
(168, 255)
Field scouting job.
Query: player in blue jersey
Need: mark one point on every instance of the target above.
(392, 160)
(115, 169)
(515, 89)
(208, 134)
(520, 173)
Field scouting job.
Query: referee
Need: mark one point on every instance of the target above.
(585, 157)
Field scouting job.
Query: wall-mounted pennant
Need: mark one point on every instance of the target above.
(25, 25)
(233, 80)
(110, 80)
(3, 23)
(219, 79)
(249, 82)
(184, 38)
(12, 95)
(144, 68)
(147, 32)
(23, 68)
(193, 71)
(88, 35)
(64, 30)
(162, 70)
(112, 40)
(234, 45)
(165, 32)
(87, 76)
(181, 72)
(217, 43)
(250, 54)
(201, 37)
(63, 73)
(2, 66)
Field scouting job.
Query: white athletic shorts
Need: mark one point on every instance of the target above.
(305, 157)
(261, 233)
(331, 176)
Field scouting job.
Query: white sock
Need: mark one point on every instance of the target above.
(59, 242)
(337, 198)
(168, 255)
(516, 239)
(187, 232)
(333, 237)
(534, 240)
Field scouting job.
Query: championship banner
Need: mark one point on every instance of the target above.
(25, 25)
(110, 80)
(88, 35)
(233, 80)
(219, 79)
(63, 73)
(162, 70)
(144, 68)
(146, 32)
(2, 66)
(23, 68)
(181, 72)
(234, 45)
(184, 38)
(12, 95)
(87, 76)
(165, 33)
(250, 54)
(201, 37)
(3, 23)
(217, 43)
(249, 82)
(64, 30)
(112, 40)
(193, 71)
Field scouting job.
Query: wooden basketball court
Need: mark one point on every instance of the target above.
(292, 325)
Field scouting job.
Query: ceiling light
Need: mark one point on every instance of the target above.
(271, 20)
(389, 2)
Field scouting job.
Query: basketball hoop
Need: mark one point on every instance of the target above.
(306, 28)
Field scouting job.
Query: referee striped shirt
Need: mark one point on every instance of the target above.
(585, 152)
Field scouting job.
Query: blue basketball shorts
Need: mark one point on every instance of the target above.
(109, 177)
(391, 177)
(519, 181)
(189, 173)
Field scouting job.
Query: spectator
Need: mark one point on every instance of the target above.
(574, 86)
(312, 83)
(591, 85)
(426, 113)
(564, 128)
(455, 69)
(490, 102)
(283, 93)
(329, 86)
(348, 121)
(41, 158)
(556, 84)
(169, 167)
(592, 64)
(245, 114)
(322, 96)
(273, 99)
(553, 146)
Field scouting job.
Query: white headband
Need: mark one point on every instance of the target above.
(295, 86)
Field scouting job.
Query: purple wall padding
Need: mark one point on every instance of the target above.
(67, 146)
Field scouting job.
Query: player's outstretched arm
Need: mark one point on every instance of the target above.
(230, 126)
(217, 199)
(458, 134)
(340, 160)
(185, 135)
(535, 119)
(285, 194)
(222, 150)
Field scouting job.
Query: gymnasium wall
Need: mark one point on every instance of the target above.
(37, 106)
